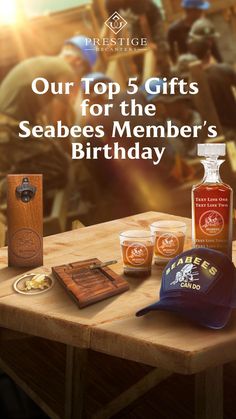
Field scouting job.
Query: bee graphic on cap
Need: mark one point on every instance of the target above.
(188, 273)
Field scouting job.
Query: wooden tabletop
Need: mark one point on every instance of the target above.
(158, 339)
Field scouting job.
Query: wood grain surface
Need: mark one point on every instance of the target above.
(25, 223)
(88, 286)
(158, 339)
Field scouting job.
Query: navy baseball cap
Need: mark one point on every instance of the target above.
(195, 4)
(200, 284)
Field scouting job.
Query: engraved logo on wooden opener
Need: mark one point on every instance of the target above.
(25, 243)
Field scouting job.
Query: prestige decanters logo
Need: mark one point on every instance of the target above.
(116, 23)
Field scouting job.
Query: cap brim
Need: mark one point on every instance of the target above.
(207, 315)
(205, 6)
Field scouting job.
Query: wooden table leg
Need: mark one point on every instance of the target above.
(76, 364)
(141, 387)
(209, 394)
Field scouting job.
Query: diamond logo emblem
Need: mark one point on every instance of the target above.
(115, 23)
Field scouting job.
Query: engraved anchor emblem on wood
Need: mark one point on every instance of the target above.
(26, 243)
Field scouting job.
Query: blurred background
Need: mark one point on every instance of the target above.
(192, 39)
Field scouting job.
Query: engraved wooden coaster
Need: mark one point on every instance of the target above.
(88, 286)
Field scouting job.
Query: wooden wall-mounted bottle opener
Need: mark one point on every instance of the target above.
(25, 220)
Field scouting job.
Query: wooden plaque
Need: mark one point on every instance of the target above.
(88, 286)
(25, 220)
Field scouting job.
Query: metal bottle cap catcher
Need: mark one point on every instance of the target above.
(25, 191)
